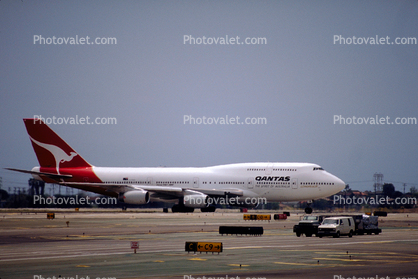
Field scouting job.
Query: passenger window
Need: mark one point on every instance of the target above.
(341, 222)
(349, 222)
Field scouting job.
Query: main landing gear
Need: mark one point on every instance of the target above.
(210, 208)
(181, 208)
(184, 209)
(308, 208)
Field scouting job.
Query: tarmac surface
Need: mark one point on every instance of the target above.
(97, 245)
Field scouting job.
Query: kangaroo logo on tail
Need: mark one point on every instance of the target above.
(59, 154)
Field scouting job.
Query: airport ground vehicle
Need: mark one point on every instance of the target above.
(366, 224)
(363, 224)
(337, 226)
(308, 225)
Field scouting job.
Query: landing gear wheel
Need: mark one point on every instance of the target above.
(181, 208)
(210, 208)
(308, 210)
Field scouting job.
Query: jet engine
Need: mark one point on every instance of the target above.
(135, 197)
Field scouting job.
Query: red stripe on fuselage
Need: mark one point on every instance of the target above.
(82, 174)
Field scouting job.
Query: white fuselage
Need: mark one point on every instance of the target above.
(273, 181)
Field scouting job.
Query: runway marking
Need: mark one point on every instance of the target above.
(364, 256)
(175, 255)
(286, 263)
(383, 257)
(368, 254)
(383, 241)
(336, 259)
(197, 259)
(246, 247)
(80, 265)
(281, 234)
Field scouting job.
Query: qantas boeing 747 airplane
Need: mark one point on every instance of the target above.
(189, 188)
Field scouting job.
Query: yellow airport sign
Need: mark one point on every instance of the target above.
(257, 217)
(204, 247)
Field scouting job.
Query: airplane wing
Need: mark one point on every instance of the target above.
(162, 191)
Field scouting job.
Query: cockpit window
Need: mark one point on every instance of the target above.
(317, 168)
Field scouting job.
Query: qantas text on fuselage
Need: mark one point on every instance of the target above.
(272, 178)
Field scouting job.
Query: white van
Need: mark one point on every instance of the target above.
(337, 226)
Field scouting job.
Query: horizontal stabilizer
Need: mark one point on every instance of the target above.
(50, 175)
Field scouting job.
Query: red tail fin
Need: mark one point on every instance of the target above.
(52, 151)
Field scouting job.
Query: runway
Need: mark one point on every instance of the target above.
(97, 245)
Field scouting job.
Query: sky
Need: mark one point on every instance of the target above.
(312, 67)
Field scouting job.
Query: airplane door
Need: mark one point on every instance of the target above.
(149, 180)
(269, 168)
(250, 183)
(294, 183)
(196, 182)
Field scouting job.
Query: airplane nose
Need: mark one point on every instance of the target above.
(340, 185)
